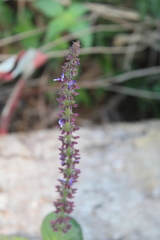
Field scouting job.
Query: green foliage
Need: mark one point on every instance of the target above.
(47, 233)
(65, 21)
(99, 93)
(49, 8)
(84, 98)
(145, 106)
(87, 39)
(148, 7)
(5, 19)
(11, 238)
(24, 25)
(60, 19)
(106, 62)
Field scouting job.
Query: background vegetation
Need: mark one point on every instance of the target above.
(119, 73)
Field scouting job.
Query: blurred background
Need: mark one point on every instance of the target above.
(119, 71)
(119, 82)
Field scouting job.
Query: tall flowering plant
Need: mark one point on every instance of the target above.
(59, 225)
(56, 226)
(69, 155)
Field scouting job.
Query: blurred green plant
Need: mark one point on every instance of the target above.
(73, 16)
(6, 19)
(23, 25)
(49, 8)
(148, 7)
(48, 234)
(11, 238)
(64, 19)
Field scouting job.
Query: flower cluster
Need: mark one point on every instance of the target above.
(69, 155)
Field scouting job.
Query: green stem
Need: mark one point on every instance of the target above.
(60, 237)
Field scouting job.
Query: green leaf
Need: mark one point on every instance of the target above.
(156, 88)
(6, 17)
(59, 25)
(56, 27)
(49, 8)
(154, 6)
(48, 234)
(65, 21)
(23, 27)
(85, 39)
(84, 98)
(11, 238)
(107, 64)
(77, 9)
(143, 8)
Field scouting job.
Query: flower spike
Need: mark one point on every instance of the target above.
(69, 155)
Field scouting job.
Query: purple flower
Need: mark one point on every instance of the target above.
(61, 79)
(71, 181)
(70, 84)
(61, 122)
(62, 180)
(76, 161)
(62, 163)
(69, 155)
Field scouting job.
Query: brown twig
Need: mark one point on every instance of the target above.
(94, 29)
(134, 92)
(128, 58)
(109, 84)
(88, 50)
(96, 50)
(114, 13)
(143, 72)
(20, 36)
(22, 0)
(10, 106)
(42, 110)
(21, 9)
(98, 84)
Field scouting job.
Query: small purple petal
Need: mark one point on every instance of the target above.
(61, 79)
(77, 62)
(57, 79)
(61, 122)
(62, 156)
(70, 84)
(62, 180)
(71, 181)
(76, 161)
